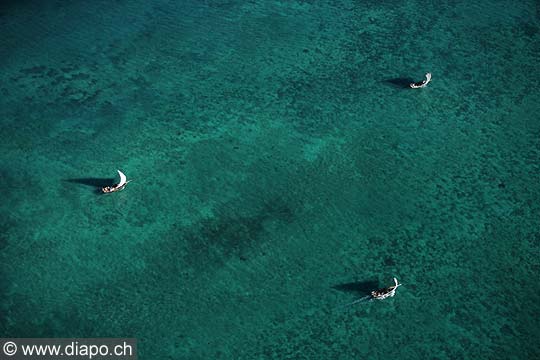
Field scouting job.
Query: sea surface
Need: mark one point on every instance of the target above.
(281, 169)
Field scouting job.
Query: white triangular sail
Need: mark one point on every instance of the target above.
(386, 293)
(423, 83)
(123, 179)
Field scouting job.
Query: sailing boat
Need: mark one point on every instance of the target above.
(422, 83)
(120, 186)
(380, 294)
(386, 292)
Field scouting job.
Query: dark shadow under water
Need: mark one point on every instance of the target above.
(358, 287)
(96, 183)
(400, 83)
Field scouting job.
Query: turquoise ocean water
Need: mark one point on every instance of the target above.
(281, 169)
